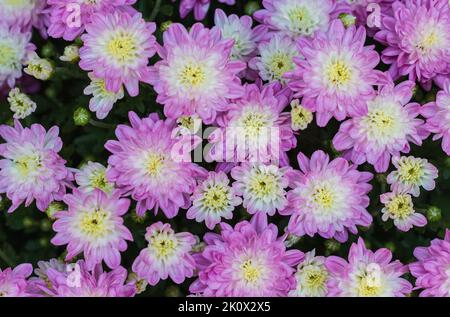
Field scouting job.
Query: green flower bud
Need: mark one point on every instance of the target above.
(347, 19)
(434, 214)
(332, 245)
(173, 291)
(53, 208)
(165, 25)
(251, 7)
(48, 50)
(81, 116)
(138, 219)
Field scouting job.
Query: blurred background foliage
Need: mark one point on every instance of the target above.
(25, 235)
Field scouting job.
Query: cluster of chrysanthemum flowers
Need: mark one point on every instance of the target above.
(291, 62)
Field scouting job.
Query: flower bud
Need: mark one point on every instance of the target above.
(251, 7)
(434, 214)
(20, 104)
(71, 54)
(81, 116)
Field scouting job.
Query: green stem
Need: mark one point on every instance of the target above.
(155, 10)
(102, 125)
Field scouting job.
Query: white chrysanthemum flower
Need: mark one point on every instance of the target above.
(276, 58)
(213, 199)
(311, 276)
(20, 104)
(411, 174)
(39, 68)
(93, 176)
(400, 208)
(102, 99)
(263, 187)
(300, 116)
(71, 54)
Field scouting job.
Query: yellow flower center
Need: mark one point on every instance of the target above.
(122, 47)
(95, 224)
(323, 197)
(411, 171)
(215, 198)
(251, 273)
(428, 41)
(263, 184)
(192, 75)
(280, 64)
(162, 245)
(17, 3)
(7, 56)
(314, 277)
(154, 164)
(98, 180)
(339, 73)
(401, 206)
(300, 117)
(28, 164)
(370, 282)
(380, 121)
(253, 123)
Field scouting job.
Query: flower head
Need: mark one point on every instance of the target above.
(399, 207)
(328, 198)
(20, 104)
(300, 116)
(117, 48)
(30, 168)
(39, 68)
(93, 224)
(167, 255)
(438, 117)
(367, 274)
(385, 130)
(13, 282)
(263, 187)
(418, 38)
(15, 49)
(411, 174)
(213, 199)
(91, 176)
(432, 270)
(76, 280)
(196, 74)
(247, 260)
(336, 75)
(275, 58)
(312, 277)
(296, 17)
(102, 99)
(71, 54)
(146, 163)
(255, 129)
(63, 23)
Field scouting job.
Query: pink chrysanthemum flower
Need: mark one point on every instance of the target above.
(438, 117)
(13, 282)
(102, 100)
(432, 269)
(263, 187)
(275, 58)
(335, 75)
(167, 255)
(31, 168)
(385, 130)
(255, 129)
(412, 173)
(146, 163)
(296, 17)
(64, 23)
(328, 198)
(418, 39)
(23, 14)
(399, 207)
(200, 7)
(247, 260)
(91, 176)
(239, 29)
(15, 50)
(79, 281)
(117, 48)
(312, 277)
(213, 199)
(93, 224)
(196, 74)
(367, 274)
